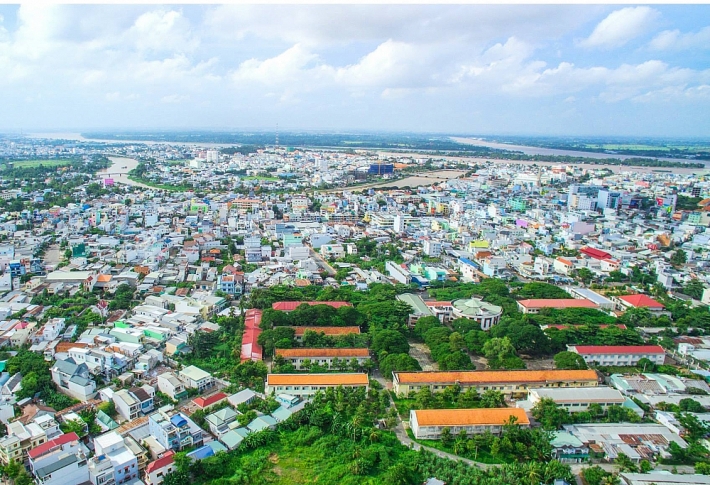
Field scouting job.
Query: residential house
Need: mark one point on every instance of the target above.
(196, 378)
(171, 386)
(113, 461)
(73, 379)
(60, 461)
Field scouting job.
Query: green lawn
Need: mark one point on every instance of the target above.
(37, 163)
(173, 188)
(261, 177)
(482, 456)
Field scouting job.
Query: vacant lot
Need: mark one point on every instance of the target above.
(420, 352)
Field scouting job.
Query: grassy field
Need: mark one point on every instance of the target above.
(261, 177)
(172, 188)
(482, 456)
(37, 163)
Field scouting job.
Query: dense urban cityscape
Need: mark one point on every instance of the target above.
(354, 244)
(176, 312)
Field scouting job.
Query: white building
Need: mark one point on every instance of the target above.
(619, 355)
(432, 248)
(578, 399)
(113, 462)
(429, 423)
(196, 378)
(61, 461)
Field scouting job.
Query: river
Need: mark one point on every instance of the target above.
(563, 153)
(118, 171)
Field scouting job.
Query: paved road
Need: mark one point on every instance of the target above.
(401, 434)
(321, 262)
(577, 468)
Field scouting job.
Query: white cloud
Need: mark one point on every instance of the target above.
(675, 40)
(621, 26)
(174, 99)
(287, 67)
(161, 31)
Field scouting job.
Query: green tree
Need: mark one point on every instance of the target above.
(389, 341)
(679, 258)
(398, 362)
(625, 463)
(569, 360)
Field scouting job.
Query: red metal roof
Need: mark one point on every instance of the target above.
(595, 253)
(619, 349)
(558, 303)
(288, 306)
(205, 402)
(52, 444)
(161, 462)
(641, 301)
(251, 350)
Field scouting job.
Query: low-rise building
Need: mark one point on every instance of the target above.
(156, 470)
(126, 405)
(59, 461)
(619, 355)
(567, 448)
(302, 358)
(113, 461)
(636, 440)
(174, 430)
(171, 386)
(485, 314)
(578, 399)
(510, 383)
(429, 423)
(328, 331)
(305, 385)
(20, 440)
(535, 305)
(74, 380)
(196, 378)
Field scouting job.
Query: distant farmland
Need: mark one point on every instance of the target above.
(36, 163)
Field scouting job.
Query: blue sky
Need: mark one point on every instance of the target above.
(471, 69)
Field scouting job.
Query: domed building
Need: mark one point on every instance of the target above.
(476, 309)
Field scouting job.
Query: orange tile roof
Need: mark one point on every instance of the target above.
(470, 417)
(104, 278)
(332, 352)
(485, 376)
(327, 330)
(558, 303)
(66, 346)
(317, 379)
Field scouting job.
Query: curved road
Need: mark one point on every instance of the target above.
(577, 468)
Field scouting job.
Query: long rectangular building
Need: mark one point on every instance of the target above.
(511, 383)
(323, 357)
(328, 331)
(289, 306)
(535, 305)
(619, 355)
(578, 399)
(305, 385)
(428, 424)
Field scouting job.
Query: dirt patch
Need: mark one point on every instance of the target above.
(539, 364)
(421, 353)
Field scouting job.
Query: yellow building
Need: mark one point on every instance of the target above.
(511, 383)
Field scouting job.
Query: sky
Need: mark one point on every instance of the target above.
(466, 69)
